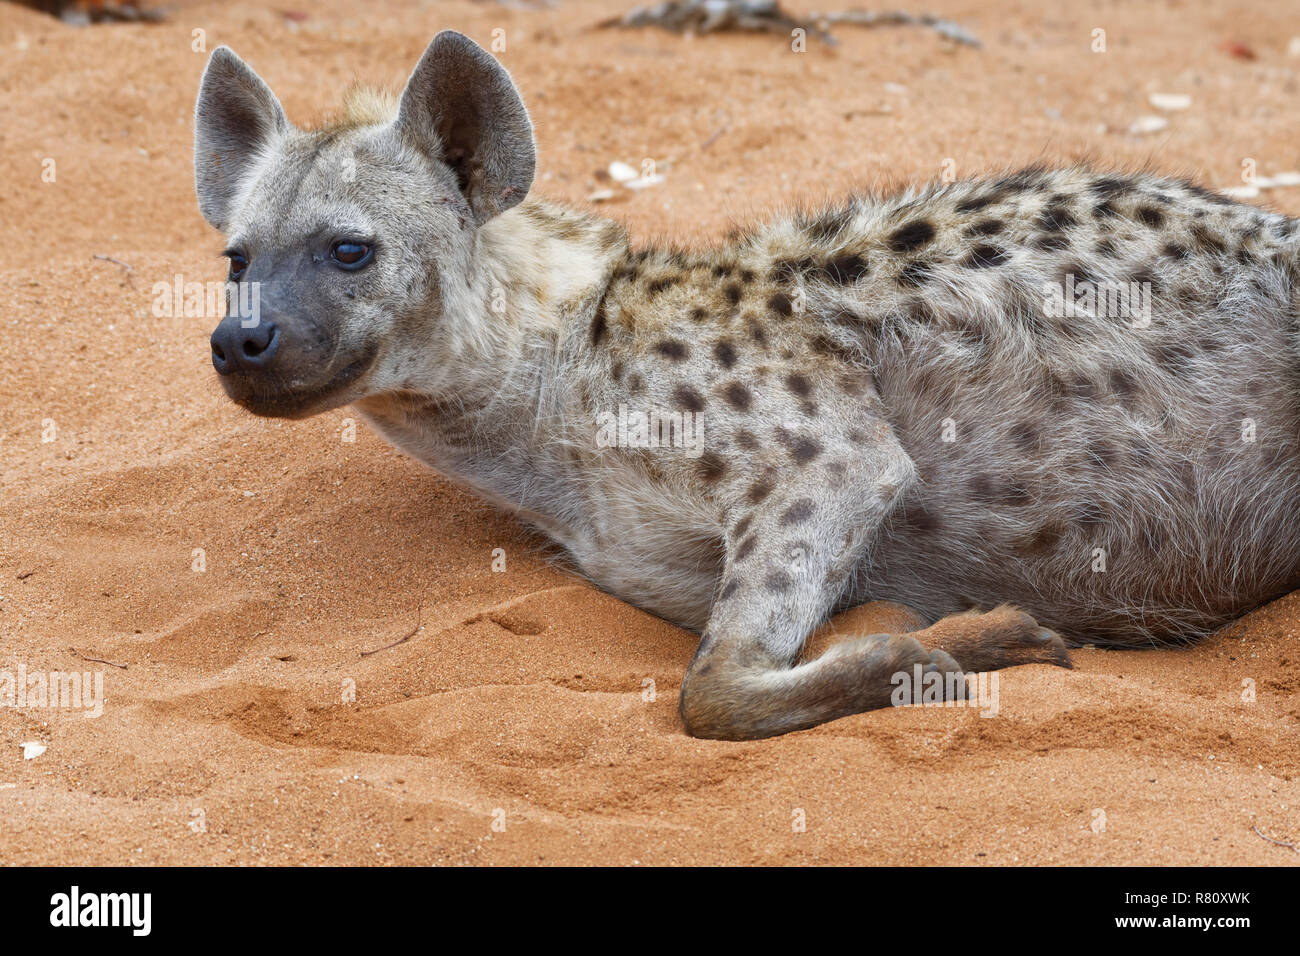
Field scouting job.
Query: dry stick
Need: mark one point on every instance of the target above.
(95, 660)
(768, 16)
(118, 262)
(402, 640)
(1264, 836)
(714, 138)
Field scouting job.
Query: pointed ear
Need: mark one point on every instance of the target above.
(236, 118)
(461, 107)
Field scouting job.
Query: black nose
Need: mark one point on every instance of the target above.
(236, 348)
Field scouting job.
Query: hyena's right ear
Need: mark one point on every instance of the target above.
(461, 107)
(236, 118)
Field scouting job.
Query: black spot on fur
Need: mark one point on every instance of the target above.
(915, 273)
(1046, 538)
(742, 525)
(986, 227)
(758, 491)
(725, 353)
(729, 590)
(711, 466)
(976, 203)
(673, 349)
(1109, 186)
(825, 345)
(1105, 210)
(798, 512)
(827, 227)
(1106, 247)
(746, 440)
(698, 314)
(985, 257)
(787, 269)
(1025, 436)
(599, 325)
(1207, 240)
(781, 304)
(1174, 251)
(732, 293)
(1121, 382)
(798, 384)
(1145, 279)
(1051, 242)
(981, 488)
(655, 286)
(746, 548)
(1150, 216)
(846, 269)
(911, 236)
(801, 448)
(1054, 218)
(1202, 193)
(1175, 357)
(779, 582)
(688, 399)
(738, 396)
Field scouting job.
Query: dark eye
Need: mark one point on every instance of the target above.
(351, 255)
(238, 264)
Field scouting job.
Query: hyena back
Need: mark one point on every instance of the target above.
(1069, 391)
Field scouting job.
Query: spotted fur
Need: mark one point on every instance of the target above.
(891, 411)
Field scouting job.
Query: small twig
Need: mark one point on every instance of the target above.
(1264, 836)
(404, 638)
(118, 262)
(767, 16)
(714, 138)
(95, 660)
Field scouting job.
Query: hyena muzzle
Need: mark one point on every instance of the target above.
(1061, 391)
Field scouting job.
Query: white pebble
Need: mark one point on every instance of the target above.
(1170, 101)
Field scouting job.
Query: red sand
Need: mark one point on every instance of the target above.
(525, 696)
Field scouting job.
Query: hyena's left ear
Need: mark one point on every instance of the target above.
(461, 107)
(236, 118)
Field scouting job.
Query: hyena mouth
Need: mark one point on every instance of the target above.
(276, 400)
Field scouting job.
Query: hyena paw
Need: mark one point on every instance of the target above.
(1003, 637)
(910, 664)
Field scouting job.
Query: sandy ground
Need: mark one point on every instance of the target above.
(532, 719)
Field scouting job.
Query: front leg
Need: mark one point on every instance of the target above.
(789, 557)
(789, 554)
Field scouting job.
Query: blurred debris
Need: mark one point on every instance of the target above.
(1170, 101)
(766, 16)
(83, 12)
(1145, 125)
(1237, 49)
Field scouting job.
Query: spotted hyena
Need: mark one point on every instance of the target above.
(1064, 391)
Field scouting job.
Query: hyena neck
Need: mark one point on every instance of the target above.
(505, 422)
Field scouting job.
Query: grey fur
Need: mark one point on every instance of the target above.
(831, 355)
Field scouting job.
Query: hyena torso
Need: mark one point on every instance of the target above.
(1070, 390)
(1123, 465)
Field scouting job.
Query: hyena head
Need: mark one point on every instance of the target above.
(351, 246)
